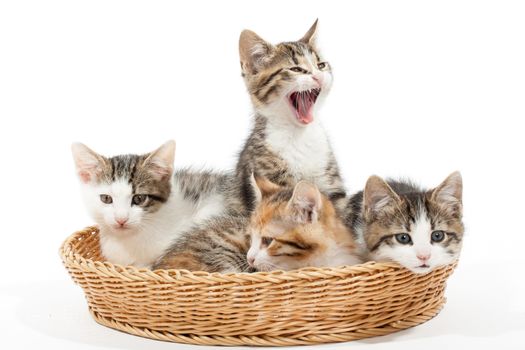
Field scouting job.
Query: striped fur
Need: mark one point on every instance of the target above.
(299, 240)
(219, 245)
(386, 209)
(285, 146)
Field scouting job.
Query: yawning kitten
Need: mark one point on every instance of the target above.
(287, 83)
(290, 228)
(299, 228)
(140, 206)
(399, 222)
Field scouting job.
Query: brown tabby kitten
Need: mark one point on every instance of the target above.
(290, 228)
(400, 222)
(287, 83)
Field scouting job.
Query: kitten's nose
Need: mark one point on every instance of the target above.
(318, 78)
(121, 221)
(423, 257)
(251, 260)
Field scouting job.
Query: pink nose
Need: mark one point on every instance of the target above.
(423, 257)
(318, 79)
(251, 260)
(121, 221)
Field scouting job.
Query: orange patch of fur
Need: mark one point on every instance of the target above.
(182, 261)
(315, 235)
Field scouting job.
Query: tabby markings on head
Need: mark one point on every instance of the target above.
(419, 229)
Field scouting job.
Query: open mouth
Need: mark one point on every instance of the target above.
(424, 266)
(302, 103)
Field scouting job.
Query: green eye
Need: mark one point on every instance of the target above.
(437, 236)
(321, 65)
(104, 198)
(403, 238)
(298, 70)
(139, 199)
(266, 241)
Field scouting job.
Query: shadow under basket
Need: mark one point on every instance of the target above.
(307, 306)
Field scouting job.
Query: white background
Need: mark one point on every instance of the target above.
(420, 89)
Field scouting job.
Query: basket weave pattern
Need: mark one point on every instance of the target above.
(307, 306)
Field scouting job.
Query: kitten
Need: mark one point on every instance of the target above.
(287, 83)
(140, 206)
(399, 222)
(299, 228)
(289, 229)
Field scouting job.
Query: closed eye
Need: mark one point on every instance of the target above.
(298, 70)
(295, 244)
(288, 254)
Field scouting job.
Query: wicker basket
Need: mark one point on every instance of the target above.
(307, 306)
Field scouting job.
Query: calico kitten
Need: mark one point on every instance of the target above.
(140, 206)
(287, 83)
(398, 221)
(290, 228)
(299, 228)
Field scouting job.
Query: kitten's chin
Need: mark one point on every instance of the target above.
(119, 231)
(421, 270)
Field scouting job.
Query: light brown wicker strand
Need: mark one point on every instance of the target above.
(307, 306)
(268, 340)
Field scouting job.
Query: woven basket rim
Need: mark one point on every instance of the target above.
(67, 252)
(241, 308)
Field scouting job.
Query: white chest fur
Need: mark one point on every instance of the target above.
(306, 149)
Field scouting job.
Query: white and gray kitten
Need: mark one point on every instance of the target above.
(141, 206)
(419, 229)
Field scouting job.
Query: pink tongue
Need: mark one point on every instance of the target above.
(305, 110)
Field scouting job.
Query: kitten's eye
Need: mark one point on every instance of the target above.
(437, 236)
(266, 241)
(139, 199)
(321, 65)
(298, 70)
(106, 199)
(403, 238)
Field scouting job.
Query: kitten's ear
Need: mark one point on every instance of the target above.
(450, 191)
(311, 35)
(263, 187)
(89, 163)
(160, 161)
(305, 203)
(378, 196)
(256, 189)
(254, 52)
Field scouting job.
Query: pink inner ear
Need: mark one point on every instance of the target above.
(160, 172)
(85, 176)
